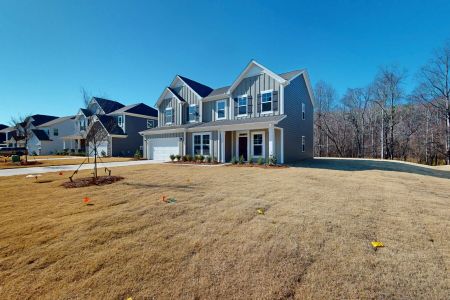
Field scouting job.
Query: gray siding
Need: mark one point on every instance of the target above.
(294, 127)
(209, 110)
(169, 103)
(253, 86)
(128, 146)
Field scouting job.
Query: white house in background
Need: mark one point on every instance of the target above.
(47, 138)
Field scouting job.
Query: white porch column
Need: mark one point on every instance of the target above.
(184, 143)
(222, 146)
(144, 147)
(271, 140)
(64, 144)
(282, 146)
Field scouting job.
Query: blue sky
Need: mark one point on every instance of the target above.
(130, 50)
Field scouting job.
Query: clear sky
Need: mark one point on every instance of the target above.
(130, 50)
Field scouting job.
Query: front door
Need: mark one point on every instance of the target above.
(243, 141)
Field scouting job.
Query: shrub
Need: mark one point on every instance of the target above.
(272, 160)
(234, 160)
(137, 154)
(201, 158)
(188, 158)
(214, 160)
(261, 161)
(172, 157)
(241, 160)
(208, 159)
(250, 161)
(178, 157)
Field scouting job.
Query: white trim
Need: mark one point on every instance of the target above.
(222, 146)
(120, 120)
(263, 144)
(224, 109)
(271, 102)
(246, 105)
(189, 114)
(210, 143)
(165, 116)
(200, 97)
(165, 91)
(272, 141)
(184, 143)
(152, 122)
(282, 145)
(247, 68)
(281, 100)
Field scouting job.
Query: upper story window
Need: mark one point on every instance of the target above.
(242, 105)
(303, 111)
(55, 132)
(120, 121)
(150, 124)
(266, 101)
(83, 124)
(169, 115)
(220, 109)
(193, 113)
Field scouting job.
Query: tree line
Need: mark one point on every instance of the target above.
(382, 120)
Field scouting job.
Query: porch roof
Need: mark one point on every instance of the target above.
(73, 137)
(246, 121)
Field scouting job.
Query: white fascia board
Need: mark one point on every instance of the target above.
(251, 64)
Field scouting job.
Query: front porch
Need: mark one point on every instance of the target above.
(74, 144)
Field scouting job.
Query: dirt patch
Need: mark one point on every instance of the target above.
(89, 181)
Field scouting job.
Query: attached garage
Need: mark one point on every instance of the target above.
(162, 148)
(102, 149)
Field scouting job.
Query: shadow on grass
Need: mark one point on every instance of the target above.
(156, 185)
(367, 165)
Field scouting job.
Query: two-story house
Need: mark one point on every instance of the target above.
(121, 123)
(261, 114)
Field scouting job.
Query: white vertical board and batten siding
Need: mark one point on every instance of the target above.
(253, 86)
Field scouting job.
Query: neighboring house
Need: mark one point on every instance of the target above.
(47, 138)
(15, 135)
(3, 134)
(261, 114)
(121, 124)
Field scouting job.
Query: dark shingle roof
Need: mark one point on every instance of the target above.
(138, 108)
(2, 126)
(56, 121)
(110, 124)
(41, 119)
(86, 112)
(201, 89)
(176, 94)
(41, 134)
(107, 105)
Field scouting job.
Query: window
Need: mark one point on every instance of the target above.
(220, 110)
(303, 111)
(258, 144)
(242, 105)
(201, 144)
(120, 121)
(169, 115)
(83, 124)
(266, 101)
(150, 124)
(193, 112)
(303, 143)
(55, 131)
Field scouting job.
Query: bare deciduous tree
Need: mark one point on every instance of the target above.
(95, 137)
(24, 130)
(434, 88)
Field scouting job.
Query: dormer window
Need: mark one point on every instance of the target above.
(150, 124)
(220, 110)
(242, 105)
(193, 113)
(266, 102)
(169, 115)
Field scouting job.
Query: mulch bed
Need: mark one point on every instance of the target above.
(260, 166)
(193, 163)
(89, 181)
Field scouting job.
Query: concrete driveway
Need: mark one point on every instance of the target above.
(40, 170)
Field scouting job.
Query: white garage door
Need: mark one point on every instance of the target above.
(102, 149)
(161, 149)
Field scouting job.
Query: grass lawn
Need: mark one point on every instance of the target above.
(55, 161)
(312, 242)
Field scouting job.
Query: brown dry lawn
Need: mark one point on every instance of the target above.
(57, 162)
(312, 243)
